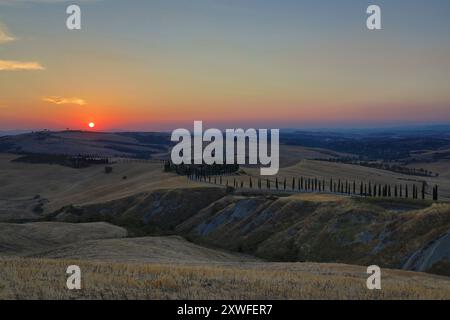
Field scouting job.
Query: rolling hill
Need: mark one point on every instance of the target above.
(31, 238)
(287, 228)
(29, 191)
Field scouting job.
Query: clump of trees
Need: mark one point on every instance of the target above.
(77, 162)
(197, 171)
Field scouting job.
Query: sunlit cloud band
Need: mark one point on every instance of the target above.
(61, 100)
(11, 65)
(5, 37)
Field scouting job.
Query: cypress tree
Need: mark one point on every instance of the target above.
(423, 190)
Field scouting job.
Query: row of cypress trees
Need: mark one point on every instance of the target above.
(303, 184)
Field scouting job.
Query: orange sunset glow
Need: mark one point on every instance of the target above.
(279, 69)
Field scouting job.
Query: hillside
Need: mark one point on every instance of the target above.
(29, 191)
(171, 249)
(287, 228)
(101, 241)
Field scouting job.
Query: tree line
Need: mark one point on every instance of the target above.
(72, 161)
(200, 170)
(336, 186)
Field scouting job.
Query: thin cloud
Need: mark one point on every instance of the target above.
(61, 100)
(11, 65)
(4, 35)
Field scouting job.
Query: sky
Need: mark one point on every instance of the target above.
(161, 64)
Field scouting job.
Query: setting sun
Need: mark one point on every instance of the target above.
(91, 125)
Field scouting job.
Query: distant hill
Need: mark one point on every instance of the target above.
(124, 144)
(379, 145)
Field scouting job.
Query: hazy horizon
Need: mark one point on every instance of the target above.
(398, 127)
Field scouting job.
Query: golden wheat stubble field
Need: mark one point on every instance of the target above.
(46, 279)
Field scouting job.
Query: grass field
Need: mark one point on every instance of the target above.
(46, 279)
